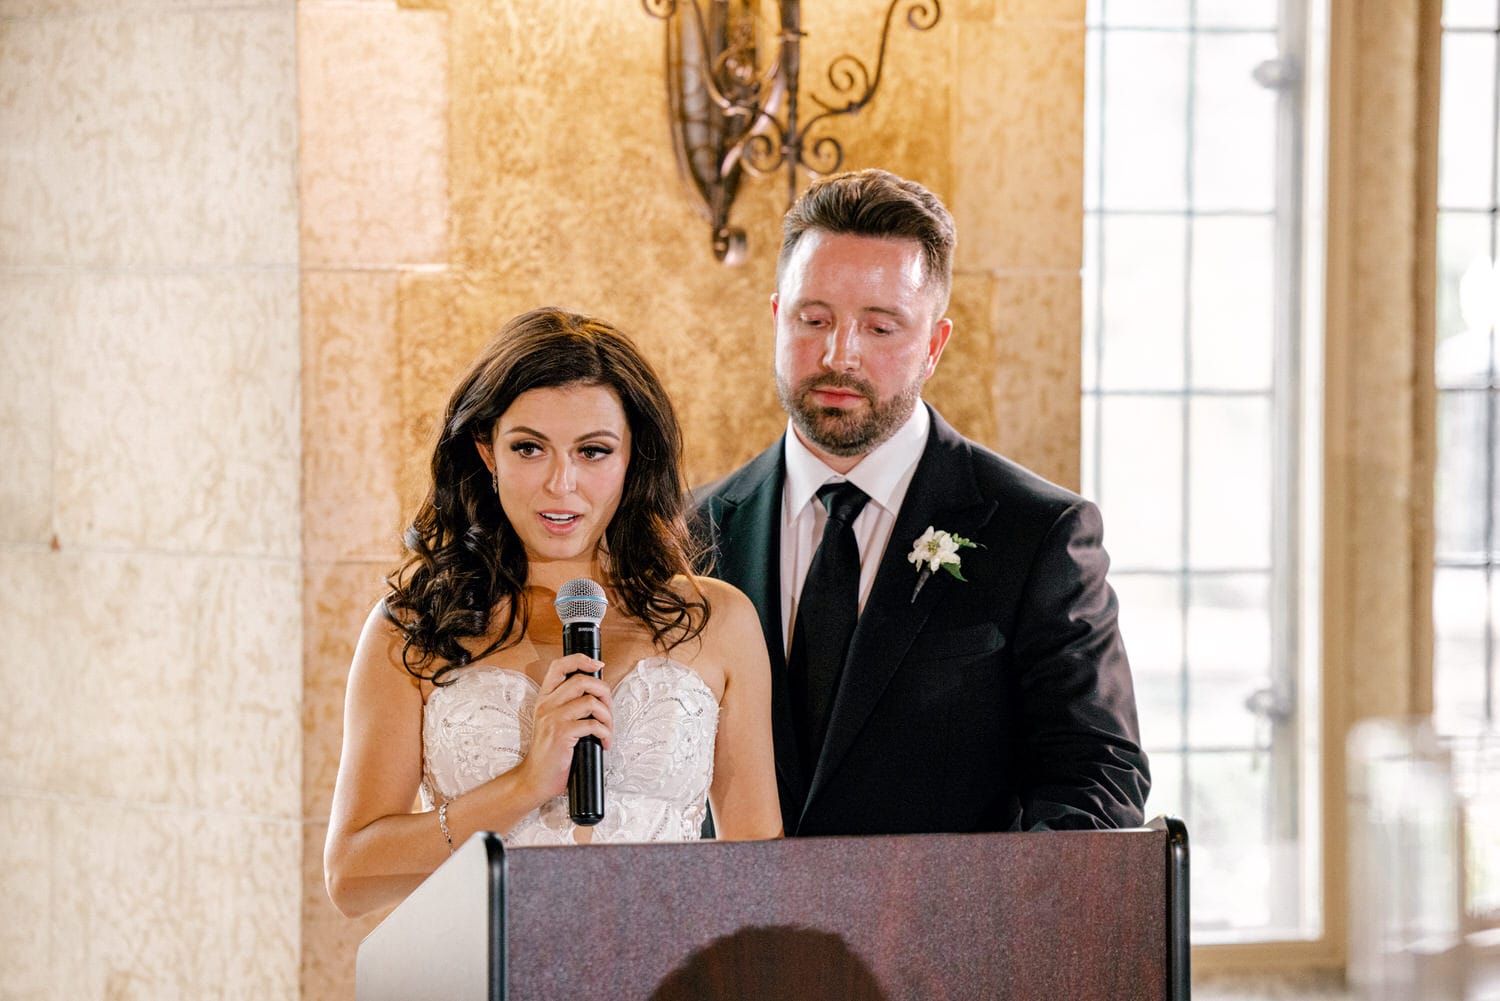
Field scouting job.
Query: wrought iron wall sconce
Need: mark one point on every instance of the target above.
(731, 117)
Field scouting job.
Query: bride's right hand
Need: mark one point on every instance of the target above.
(569, 706)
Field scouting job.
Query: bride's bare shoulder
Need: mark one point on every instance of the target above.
(722, 597)
(732, 620)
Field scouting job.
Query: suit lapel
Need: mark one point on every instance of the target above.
(749, 553)
(943, 494)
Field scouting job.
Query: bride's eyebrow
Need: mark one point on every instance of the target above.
(534, 433)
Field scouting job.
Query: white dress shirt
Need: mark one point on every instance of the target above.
(884, 475)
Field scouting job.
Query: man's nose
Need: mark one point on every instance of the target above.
(841, 353)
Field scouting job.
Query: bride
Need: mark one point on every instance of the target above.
(559, 459)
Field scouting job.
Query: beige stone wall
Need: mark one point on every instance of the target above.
(150, 560)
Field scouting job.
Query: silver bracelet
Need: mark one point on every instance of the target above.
(443, 825)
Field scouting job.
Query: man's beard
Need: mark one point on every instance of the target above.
(844, 432)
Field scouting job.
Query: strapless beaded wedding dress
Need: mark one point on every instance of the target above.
(656, 775)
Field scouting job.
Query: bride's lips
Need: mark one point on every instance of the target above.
(559, 522)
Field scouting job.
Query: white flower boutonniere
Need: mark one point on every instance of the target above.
(936, 550)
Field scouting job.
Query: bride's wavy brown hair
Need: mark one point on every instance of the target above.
(464, 560)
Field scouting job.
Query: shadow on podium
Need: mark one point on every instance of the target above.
(1075, 915)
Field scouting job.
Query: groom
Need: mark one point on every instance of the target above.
(985, 688)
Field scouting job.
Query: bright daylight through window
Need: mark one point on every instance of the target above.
(1199, 419)
(1466, 585)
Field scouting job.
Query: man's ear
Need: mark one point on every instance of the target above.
(936, 341)
(775, 304)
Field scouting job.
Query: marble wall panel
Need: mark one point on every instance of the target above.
(247, 882)
(31, 742)
(1006, 378)
(337, 599)
(960, 389)
(177, 403)
(28, 832)
(118, 716)
(247, 615)
(1056, 11)
(148, 140)
(51, 8)
(722, 382)
(161, 904)
(329, 940)
(32, 306)
(972, 10)
(373, 134)
(550, 136)
(170, 679)
(352, 416)
(148, 310)
(440, 324)
(1018, 147)
(907, 127)
(1036, 375)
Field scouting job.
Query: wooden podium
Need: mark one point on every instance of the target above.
(1075, 916)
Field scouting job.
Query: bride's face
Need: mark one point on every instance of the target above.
(560, 456)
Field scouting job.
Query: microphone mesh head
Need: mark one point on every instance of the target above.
(580, 600)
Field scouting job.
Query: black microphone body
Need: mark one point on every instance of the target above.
(586, 777)
(581, 605)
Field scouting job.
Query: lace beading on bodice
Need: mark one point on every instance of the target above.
(656, 776)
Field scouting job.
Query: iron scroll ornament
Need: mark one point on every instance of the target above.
(730, 117)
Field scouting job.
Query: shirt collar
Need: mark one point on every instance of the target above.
(883, 474)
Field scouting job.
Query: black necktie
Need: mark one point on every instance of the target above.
(826, 614)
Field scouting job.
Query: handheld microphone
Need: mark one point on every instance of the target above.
(580, 605)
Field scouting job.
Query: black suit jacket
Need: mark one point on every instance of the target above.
(1000, 703)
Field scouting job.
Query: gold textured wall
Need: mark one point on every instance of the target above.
(373, 180)
(464, 161)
